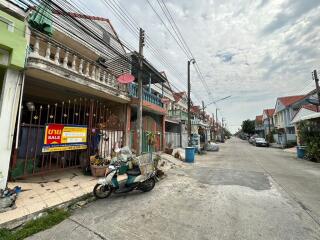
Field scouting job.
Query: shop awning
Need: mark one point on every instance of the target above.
(41, 19)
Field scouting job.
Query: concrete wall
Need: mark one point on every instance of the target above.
(8, 112)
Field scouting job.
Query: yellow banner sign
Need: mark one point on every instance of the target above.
(60, 137)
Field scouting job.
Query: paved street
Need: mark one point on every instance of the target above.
(241, 192)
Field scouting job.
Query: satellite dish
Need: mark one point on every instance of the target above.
(125, 78)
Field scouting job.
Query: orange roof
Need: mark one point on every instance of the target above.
(79, 15)
(259, 118)
(195, 109)
(178, 95)
(287, 101)
(310, 107)
(269, 112)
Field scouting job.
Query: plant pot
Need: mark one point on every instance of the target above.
(98, 171)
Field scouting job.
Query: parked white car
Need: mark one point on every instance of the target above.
(211, 147)
(261, 142)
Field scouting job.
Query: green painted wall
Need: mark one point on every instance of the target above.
(15, 41)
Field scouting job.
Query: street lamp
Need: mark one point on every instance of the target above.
(189, 101)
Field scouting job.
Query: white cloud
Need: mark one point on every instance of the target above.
(254, 51)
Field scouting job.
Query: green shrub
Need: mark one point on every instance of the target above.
(270, 138)
(309, 134)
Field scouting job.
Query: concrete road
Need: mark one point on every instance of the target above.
(241, 192)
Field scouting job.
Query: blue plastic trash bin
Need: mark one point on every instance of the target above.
(190, 154)
(301, 151)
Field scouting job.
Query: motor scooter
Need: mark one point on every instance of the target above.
(133, 179)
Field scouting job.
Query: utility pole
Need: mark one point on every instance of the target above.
(189, 102)
(217, 124)
(316, 79)
(222, 130)
(212, 128)
(203, 112)
(140, 92)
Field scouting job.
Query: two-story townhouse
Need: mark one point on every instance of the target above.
(13, 48)
(154, 105)
(173, 124)
(307, 111)
(267, 120)
(179, 112)
(258, 124)
(310, 98)
(284, 112)
(70, 89)
(199, 125)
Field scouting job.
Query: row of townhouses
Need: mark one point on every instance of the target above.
(53, 75)
(280, 122)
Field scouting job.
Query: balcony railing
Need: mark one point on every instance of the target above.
(68, 59)
(179, 114)
(147, 96)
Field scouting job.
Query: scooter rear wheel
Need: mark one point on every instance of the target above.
(147, 185)
(102, 191)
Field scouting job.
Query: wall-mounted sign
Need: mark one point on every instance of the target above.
(165, 100)
(60, 137)
(125, 78)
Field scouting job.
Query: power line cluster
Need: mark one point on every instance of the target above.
(177, 36)
(153, 46)
(69, 16)
(124, 17)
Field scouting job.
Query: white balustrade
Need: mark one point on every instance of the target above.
(87, 70)
(94, 72)
(57, 56)
(98, 74)
(74, 59)
(36, 46)
(66, 59)
(48, 51)
(81, 67)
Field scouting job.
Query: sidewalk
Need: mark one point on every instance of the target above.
(44, 192)
(41, 193)
(291, 150)
(276, 145)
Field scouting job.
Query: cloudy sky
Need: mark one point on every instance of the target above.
(254, 51)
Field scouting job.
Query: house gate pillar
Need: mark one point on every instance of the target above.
(9, 103)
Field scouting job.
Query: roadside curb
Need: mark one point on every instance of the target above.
(18, 222)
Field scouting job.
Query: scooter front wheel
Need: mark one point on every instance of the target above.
(102, 191)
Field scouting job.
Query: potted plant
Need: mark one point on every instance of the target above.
(98, 165)
(168, 149)
(151, 138)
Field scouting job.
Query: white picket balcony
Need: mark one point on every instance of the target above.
(52, 57)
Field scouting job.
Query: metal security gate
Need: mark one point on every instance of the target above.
(104, 132)
(173, 139)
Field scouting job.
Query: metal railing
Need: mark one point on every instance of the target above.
(178, 114)
(147, 96)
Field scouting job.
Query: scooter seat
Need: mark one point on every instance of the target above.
(134, 172)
